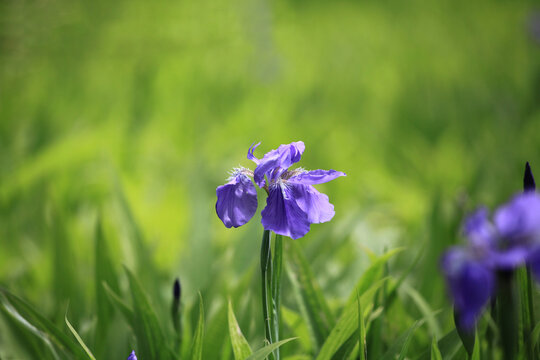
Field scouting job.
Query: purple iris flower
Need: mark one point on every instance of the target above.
(132, 356)
(510, 241)
(292, 205)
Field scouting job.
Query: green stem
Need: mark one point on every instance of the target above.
(530, 305)
(276, 287)
(266, 273)
(507, 311)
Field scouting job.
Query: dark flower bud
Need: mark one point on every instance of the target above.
(177, 289)
(528, 179)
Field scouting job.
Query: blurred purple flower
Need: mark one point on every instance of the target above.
(292, 205)
(512, 240)
(132, 356)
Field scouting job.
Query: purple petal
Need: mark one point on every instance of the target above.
(313, 203)
(510, 258)
(315, 177)
(132, 356)
(275, 162)
(282, 214)
(250, 155)
(479, 231)
(471, 284)
(236, 201)
(519, 220)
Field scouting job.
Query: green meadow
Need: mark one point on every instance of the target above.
(118, 120)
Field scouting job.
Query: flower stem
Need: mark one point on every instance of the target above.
(507, 311)
(266, 281)
(276, 287)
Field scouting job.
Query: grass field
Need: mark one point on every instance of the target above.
(118, 120)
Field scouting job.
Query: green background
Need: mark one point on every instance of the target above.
(431, 108)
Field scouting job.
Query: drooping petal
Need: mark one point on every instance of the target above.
(315, 177)
(282, 214)
(511, 258)
(250, 155)
(236, 201)
(519, 220)
(275, 162)
(132, 356)
(313, 203)
(479, 230)
(471, 284)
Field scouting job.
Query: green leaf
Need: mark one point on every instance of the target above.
(435, 352)
(79, 339)
(261, 354)
(311, 302)
(239, 343)
(145, 323)
(347, 324)
(401, 344)
(26, 313)
(198, 339)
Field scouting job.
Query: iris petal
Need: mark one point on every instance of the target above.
(250, 155)
(519, 220)
(471, 283)
(132, 356)
(236, 201)
(479, 230)
(316, 177)
(282, 214)
(275, 162)
(313, 203)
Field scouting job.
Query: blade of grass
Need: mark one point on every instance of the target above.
(104, 272)
(311, 301)
(347, 324)
(149, 334)
(198, 338)
(124, 308)
(240, 346)
(79, 339)
(361, 331)
(29, 314)
(435, 352)
(263, 353)
(401, 344)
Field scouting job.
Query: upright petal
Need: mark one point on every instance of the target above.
(479, 230)
(132, 356)
(313, 203)
(315, 177)
(519, 220)
(282, 214)
(471, 284)
(236, 201)
(275, 162)
(250, 155)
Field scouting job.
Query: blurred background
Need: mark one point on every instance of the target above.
(133, 112)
